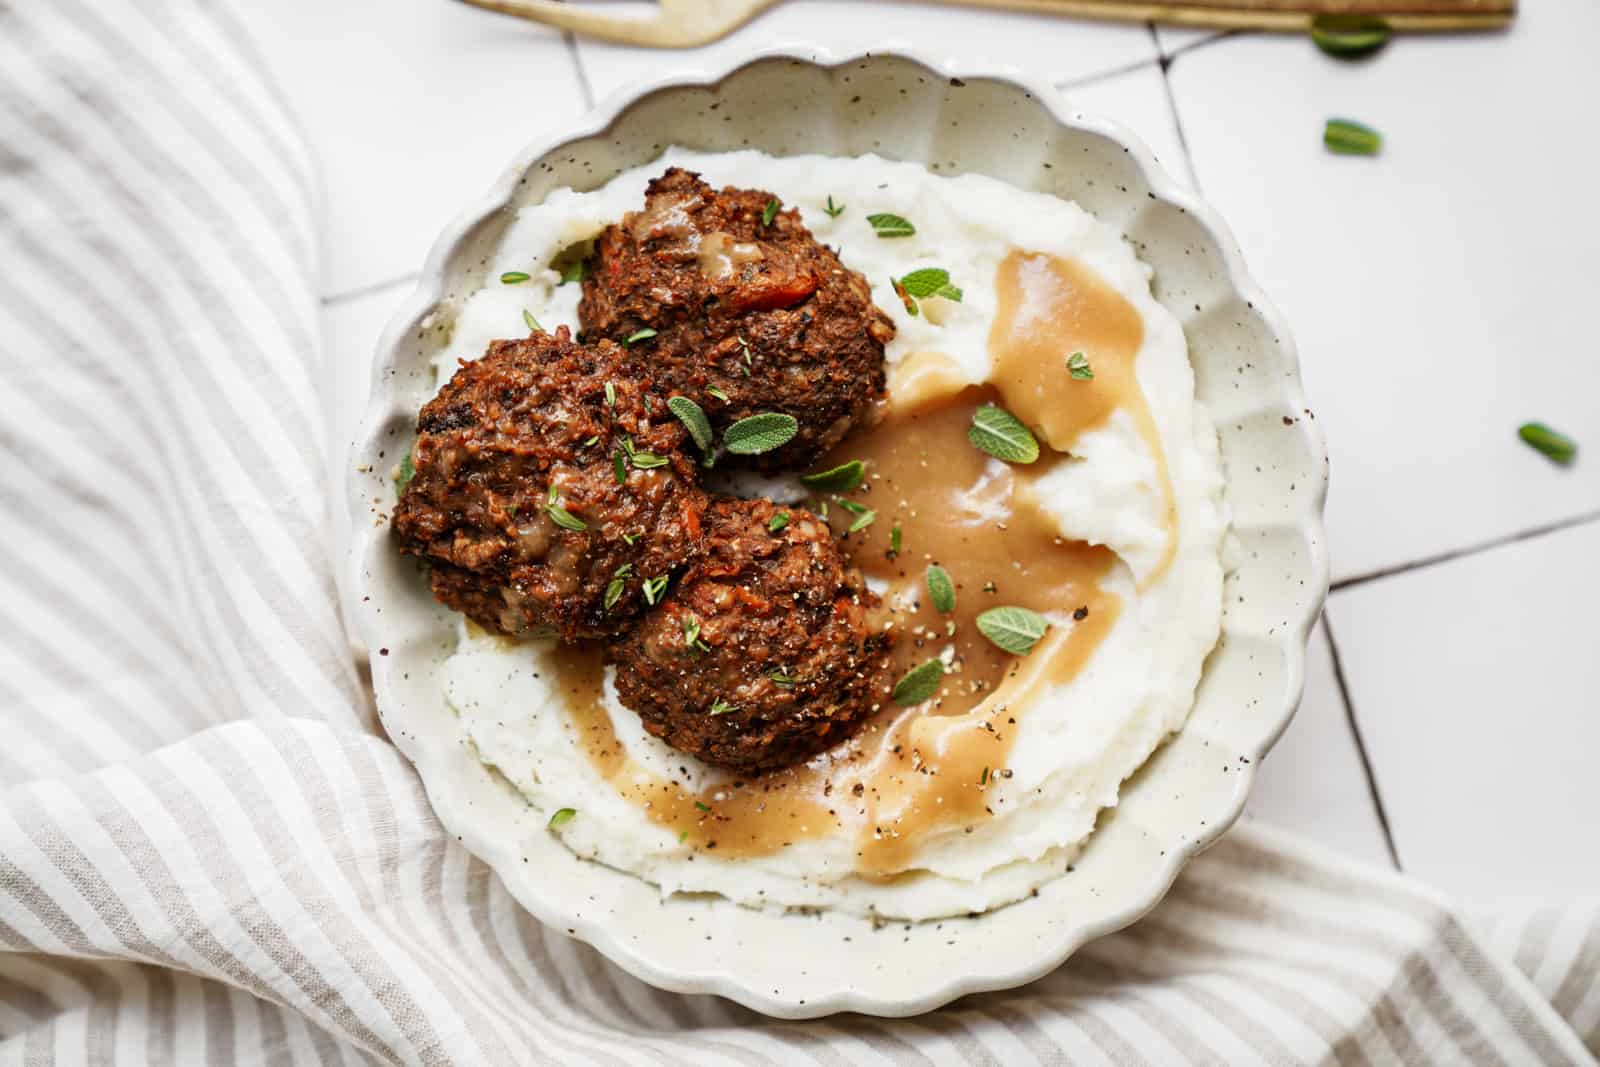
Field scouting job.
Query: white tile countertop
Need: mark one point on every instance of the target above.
(1439, 294)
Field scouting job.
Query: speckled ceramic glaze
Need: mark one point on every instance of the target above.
(955, 120)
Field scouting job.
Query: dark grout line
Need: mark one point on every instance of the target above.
(1469, 550)
(584, 88)
(1361, 744)
(357, 293)
(1172, 108)
(1106, 75)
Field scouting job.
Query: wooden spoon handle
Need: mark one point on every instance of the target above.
(1282, 15)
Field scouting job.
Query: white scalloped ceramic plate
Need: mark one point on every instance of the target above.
(985, 121)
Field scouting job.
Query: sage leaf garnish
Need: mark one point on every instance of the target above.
(512, 277)
(1078, 367)
(840, 479)
(561, 818)
(941, 590)
(645, 461)
(930, 281)
(533, 323)
(639, 335)
(769, 212)
(885, 224)
(1016, 630)
(760, 433)
(1346, 138)
(565, 519)
(1001, 434)
(1552, 443)
(403, 476)
(694, 420)
(919, 683)
(1348, 36)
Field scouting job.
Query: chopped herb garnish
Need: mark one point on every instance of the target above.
(639, 335)
(1346, 138)
(565, 519)
(919, 683)
(403, 476)
(840, 479)
(552, 495)
(624, 570)
(744, 346)
(654, 587)
(691, 631)
(983, 779)
(619, 466)
(1078, 367)
(930, 281)
(630, 538)
(905, 297)
(894, 539)
(512, 277)
(627, 445)
(865, 516)
(822, 508)
(611, 394)
(941, 590)
(694, 420)
(533, 323)
(591, 441)
(712, 390)
(833, 210)
(779, 678)
(614, 591)
(769, 212)
(1348, 36)
(999, 433)
(561, 818)
(778, 522)
(702, 807)
(722, 707)
(1016, 630)
(574, 273)
(760, 433)
(644, 461)
(683, 836)
(885, 224)
(1558, 446)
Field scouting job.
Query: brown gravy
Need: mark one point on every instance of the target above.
(914, 771)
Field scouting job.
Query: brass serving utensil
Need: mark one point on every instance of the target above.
(687, 23)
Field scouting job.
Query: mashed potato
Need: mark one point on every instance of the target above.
(1144, 483)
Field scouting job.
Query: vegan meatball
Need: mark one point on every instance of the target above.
(751, 314)
(763, 653)
(552, 489)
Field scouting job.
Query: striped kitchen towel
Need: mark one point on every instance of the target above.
(208, 851)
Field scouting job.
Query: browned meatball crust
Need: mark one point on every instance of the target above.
(536, 416)
(764, 653)
(759, 312)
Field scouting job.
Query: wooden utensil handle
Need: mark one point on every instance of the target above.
(1274, 14)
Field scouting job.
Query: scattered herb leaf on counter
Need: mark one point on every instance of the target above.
(941, 589)
(885, 224)
(403, 476)
(722, 707)
(1349, 36)
(769, 212)
(1001, 434)
(533, 323)
(1347, 138)
(1554, 444)
(778, 522)
(840, 479)
(654, 587)
(1016, 630)
(512, 277)
(1078, 367)
(930, 281)
(694, 420)
(577, 272)
(639, 335)
(561, 818)
(760, 433)
(919, 683)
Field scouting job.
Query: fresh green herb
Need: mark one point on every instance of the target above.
(760, 433)
(683, 836)
(533, 323)
(645, 461)
(722, 707)
(654, 587)
(840, 479)
(624, 571)
(1078, 367)
(999, 433)
(614, 591)
(1349, 36)
(744, 346)
(822, 508)
(781, 679)
(561, 818)
(930, 281)
(905, 297)
(639, 335)
(702, 807)
(769, 212)
(1558, 446)
(894, 539)
(941, 590)
(512, 277)
(619, 466)
(576, 272)
(552, 495)
(983, 779)
(1346, 138)
(403, 476)
(833, 210)
(885, 224)
(565, 519)
(778, 522)
(1016, 630)
(591, 441)
(630, 538)
(627, 445)
(691, 631)
(865, 516)
(611, 394)
(712, 390)
(919, 683)
(694, 420)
